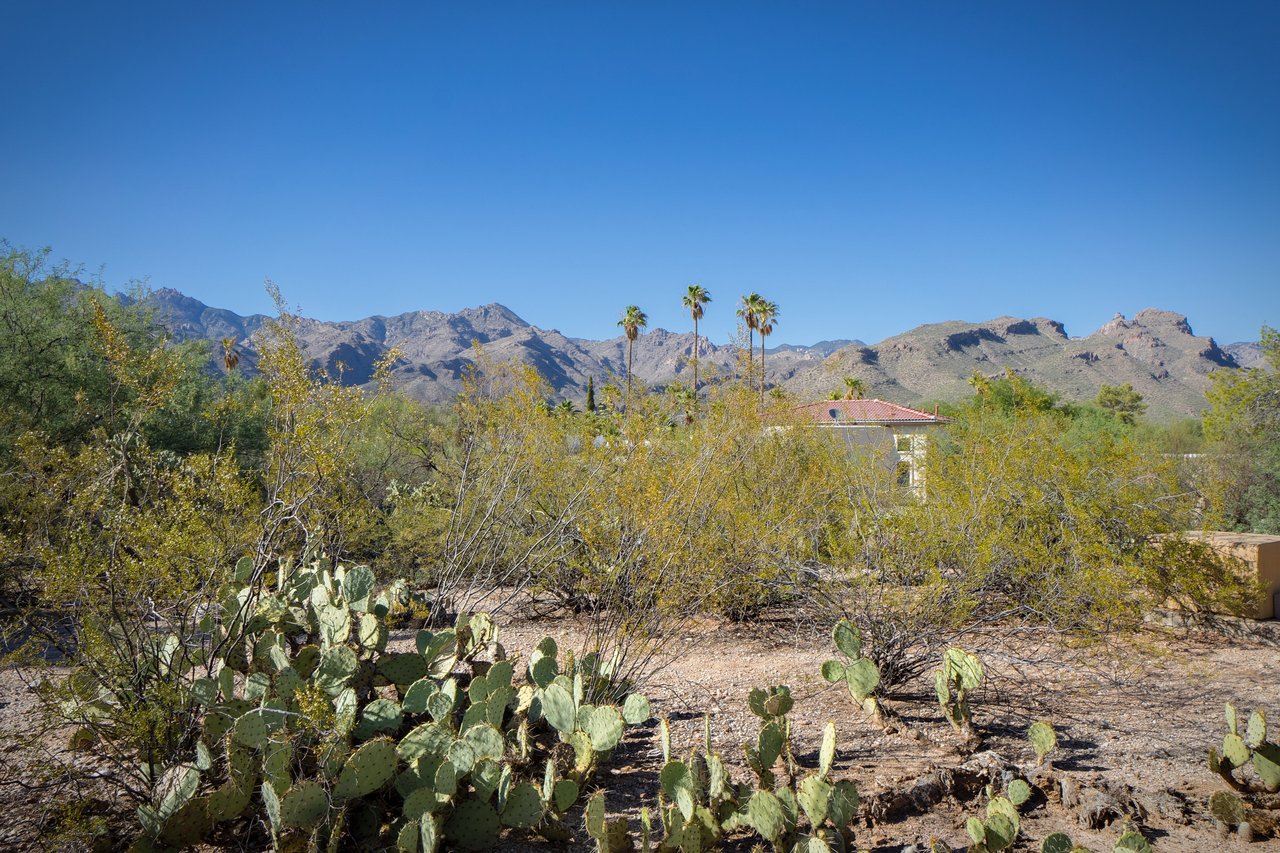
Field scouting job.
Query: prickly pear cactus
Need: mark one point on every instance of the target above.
(1043, 738)
(308, 723)
(860, 675)
(961, 673)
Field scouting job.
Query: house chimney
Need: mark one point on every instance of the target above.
(935, 410)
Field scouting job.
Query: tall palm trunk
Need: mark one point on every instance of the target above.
(695, 359)
(762, 368)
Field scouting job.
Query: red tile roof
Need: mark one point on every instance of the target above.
(865, 412)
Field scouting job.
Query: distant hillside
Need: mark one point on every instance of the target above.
(437, 347)
(1246, 354)
(1156, 352)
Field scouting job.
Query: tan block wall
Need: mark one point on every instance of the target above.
(1261, 556)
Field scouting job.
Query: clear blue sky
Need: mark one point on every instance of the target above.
(868, 165)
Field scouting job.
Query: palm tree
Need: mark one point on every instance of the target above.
(565, 408)
(633, 320)
(694, 299)
(766, 316)
(857, 388)
(748, 310)
(230, 355)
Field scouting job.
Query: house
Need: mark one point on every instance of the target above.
(899, 432)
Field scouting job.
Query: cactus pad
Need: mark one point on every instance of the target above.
(999, 832)
(766, 816)
(357, 587)
(337, 667)
(415, 698)
(1058, 842)
(963, 668)
(542, 670)
(827, 752)
(335, 624)
(1019, 792)
(1256, 731)
(251, 730)
(1234, 750)
(500, 675)
(409, 838)
(486, 742)
(833, 670)
(462, 755)
(188, 825)
(368, 769)
(863, 678)
(228, 802)
(635, 710)
(564, 794)
(371, 633)
(847, 639)
(402, 669)
(558, 708)
(381, 716)
(1226, 807)
(843, 805)
(523, 806)
(814, 794)
(474, 825)
(426, 739)
(1266, 760)
(594, 817)
(304, 806)
(678, 785)
(1044, 739)
(604, 726)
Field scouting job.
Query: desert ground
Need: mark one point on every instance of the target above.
(1135, 719)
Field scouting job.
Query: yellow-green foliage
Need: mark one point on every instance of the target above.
(1242, 426)
(717, 514)
(1026, 520)
(310, 479)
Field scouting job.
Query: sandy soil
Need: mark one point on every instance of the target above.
(1142, 715)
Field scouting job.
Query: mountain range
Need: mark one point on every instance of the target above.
(1156, 351)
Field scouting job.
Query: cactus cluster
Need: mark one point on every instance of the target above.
(307, 720)
(961, 672)
(1000, 829)
(699, 802)
(1247, 748)
(859, 674)
(1243, 749)
(1130, 841)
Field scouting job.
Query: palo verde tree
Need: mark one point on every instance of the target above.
(1242, 426)
(1121, 401)
(1024, 524)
